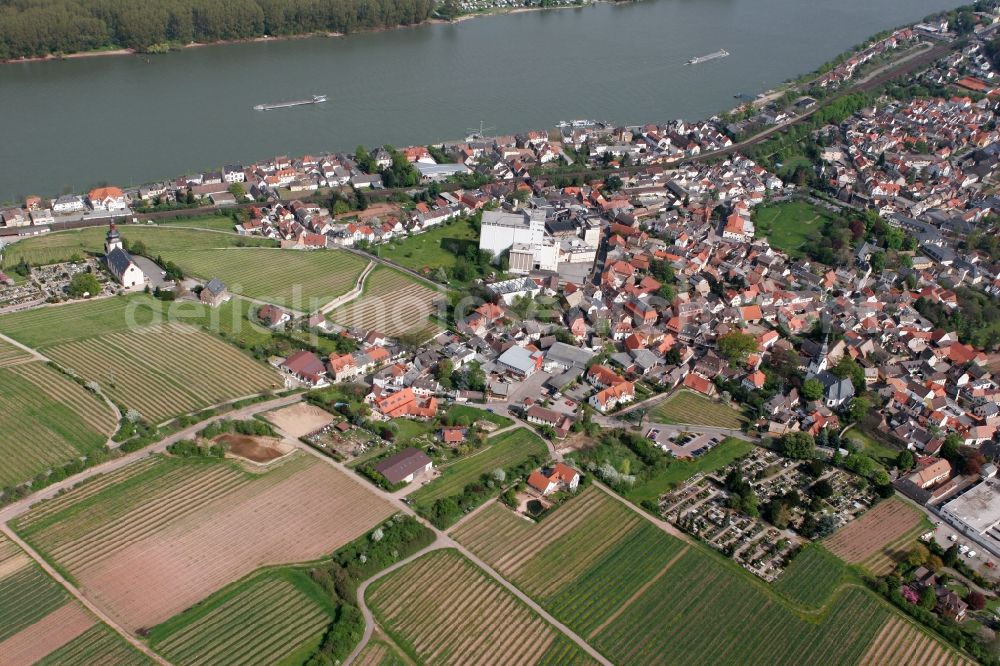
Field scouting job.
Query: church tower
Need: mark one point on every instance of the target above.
(113, 240)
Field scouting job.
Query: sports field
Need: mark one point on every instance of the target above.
(788, 224)
(301, 280)
(504, 450)
(47, 420)
(693, 409)
(425, 252)
(147, 545)
(392, 303)
(261, 621)
(442, 609)
(880, 537)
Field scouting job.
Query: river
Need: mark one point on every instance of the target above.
(69, 125)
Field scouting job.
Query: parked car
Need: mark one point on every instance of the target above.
(970, 554)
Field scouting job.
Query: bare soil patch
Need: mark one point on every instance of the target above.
(300, 419)
(871, 533)
(45, 636)
(254, 449)
(151, 575)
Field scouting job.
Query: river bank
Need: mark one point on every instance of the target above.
(192, 112)
(109, 52)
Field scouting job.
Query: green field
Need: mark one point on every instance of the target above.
(12, 355)
(812, 576)
(160, 369)
(443, 609)
(262, 620)
(788, 224)
(702, 611)
(467, 415)
(507, 449)
(210, 222)
(97, 645)
(663, 481)
(424, 252)
(48, 420)
(872, 447)
(299, 279)
(63, 245)
(689, 408)
(392, 303)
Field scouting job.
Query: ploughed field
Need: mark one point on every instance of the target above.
(392, 303)
(40, 623)
(442, 609)
(641, 596)
(148, 543)
(47, 420)
(880, 535)
(138, 359)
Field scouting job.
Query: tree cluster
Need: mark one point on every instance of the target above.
(41, 27)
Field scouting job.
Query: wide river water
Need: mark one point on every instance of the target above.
(69, 125)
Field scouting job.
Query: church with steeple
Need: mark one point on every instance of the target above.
(120, 263)
(837, 392)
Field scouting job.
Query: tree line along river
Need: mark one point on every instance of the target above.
(70, 125)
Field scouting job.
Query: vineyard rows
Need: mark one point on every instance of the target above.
(47, 420)
(901, 644)
(264, 623)
(812, 576)
(97, 645)
(11, 355)
(869, 536)
(700, 612)
(446, 610)
(392, 303)
(166, 370)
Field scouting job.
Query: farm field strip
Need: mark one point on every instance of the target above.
(616, 580)
(698, 613)
(97, 645)
(392, 303)
(691, 408)
(879, 527)
(92, 486)
(561, 561)
(27, 594)
(142, 567)
(165, 370)
(46, 327)
(93, 411)
(11, 355)
(885, 560)
(165, 485)
(260, 625)
(463, 629)
(48, 634)
(812, 576)
(48, 420)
